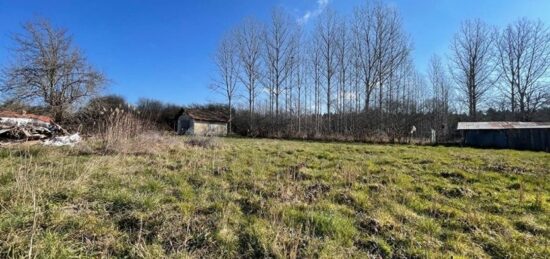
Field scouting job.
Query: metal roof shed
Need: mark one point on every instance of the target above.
(504, 134)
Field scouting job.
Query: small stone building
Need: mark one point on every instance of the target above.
(202, 123)
(504, 134)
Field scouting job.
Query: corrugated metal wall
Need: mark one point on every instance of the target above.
(526, 139)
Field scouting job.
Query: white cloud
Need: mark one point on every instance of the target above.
(321, 5)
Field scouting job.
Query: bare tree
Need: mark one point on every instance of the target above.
(280, 38)
(364, 44)
(524, 59)
(441, 86)
(441, 89)
(380, 45)
(315, 70)
(355, 76)
(226, 60)
(380, 48)
(249, 48)
(343, 52)
(325, 37)
(393, 45)
(301, 87)
(402, 100)
(49, 69)
(472, 62)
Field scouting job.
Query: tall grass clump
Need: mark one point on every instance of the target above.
(118, 127)
(124, 131)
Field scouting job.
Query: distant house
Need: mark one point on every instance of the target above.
(502, 134)
(202, 122)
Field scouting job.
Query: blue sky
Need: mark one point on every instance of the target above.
(162, 49)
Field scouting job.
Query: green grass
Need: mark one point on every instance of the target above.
(268, 198)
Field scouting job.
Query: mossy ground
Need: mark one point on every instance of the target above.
(269, 198)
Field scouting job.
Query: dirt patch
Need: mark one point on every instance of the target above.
(316, 191)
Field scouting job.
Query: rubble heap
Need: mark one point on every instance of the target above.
(24, 126)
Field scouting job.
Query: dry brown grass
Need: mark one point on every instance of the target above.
(120, 126)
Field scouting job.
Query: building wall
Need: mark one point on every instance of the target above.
(528, 139)
(189, 126)
(184, 125)
(209, 128)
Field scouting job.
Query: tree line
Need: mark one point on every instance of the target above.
(354, 77)
(349, 77)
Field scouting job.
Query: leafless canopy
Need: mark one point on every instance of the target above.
(354, 76)
(249, 46)
(325, 37)
(226, 60)
(524, 59)
(472, 62)
(380, 46)
(48, 69)
(441, 86)
(281, 39)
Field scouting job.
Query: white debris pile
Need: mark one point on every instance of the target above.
(70, 140)
(15, 127)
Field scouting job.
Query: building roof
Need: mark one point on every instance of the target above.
(12, 114)
(496, 125)
(207, 115)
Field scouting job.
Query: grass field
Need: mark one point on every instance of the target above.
(173, 197)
